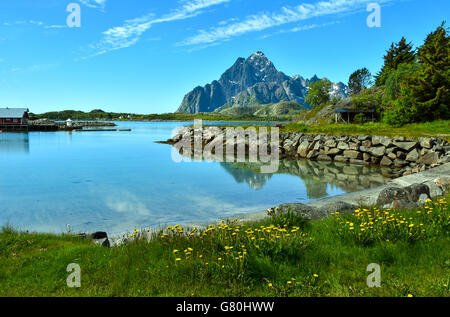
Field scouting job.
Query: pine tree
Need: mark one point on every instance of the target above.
(399, 53)
(359, 80)
(431, 87)
(424, 94)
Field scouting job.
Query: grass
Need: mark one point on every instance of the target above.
(438, 128)
(283, 255)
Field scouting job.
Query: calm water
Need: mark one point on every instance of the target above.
(114, 181)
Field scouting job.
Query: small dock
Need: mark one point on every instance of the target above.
(102, 130)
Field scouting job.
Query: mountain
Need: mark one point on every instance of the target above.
(251, 81)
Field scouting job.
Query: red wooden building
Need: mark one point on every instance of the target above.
(14, 116)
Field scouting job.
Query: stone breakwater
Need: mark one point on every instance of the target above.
(403, 155)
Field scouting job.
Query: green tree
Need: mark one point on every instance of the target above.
(319, 93)
(398, 77)
(424, 94)
(359, 80)
(399, 53)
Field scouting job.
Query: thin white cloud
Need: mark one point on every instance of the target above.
(56, 26)
(97, 4)
(33, 23)
(32, 68)
(302, 28)
(130, 33)
(24, 22)
(263, 21)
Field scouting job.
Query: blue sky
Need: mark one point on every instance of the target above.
(144, 56)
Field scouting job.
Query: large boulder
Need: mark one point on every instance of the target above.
(388, 195)
(415, 190)
(339, 206)
(305, 211)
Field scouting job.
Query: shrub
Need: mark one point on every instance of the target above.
(360, 118)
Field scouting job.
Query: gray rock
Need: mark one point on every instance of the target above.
(377, 151)
(400, 204)
(429, 158)
(426, 143)
(359, 162)
(103, 242)
(386, 161)
(352, 154)
(312, 154)
(413, 156)
(444, 159)
(366, 143)
(400, 163)
(323, 157)
(366, 157)
(340, 206)
(330, 143)
(333, 151)
(363, 148)
(407, 146)
(392, 156)
(340, 158)
(388, 195)
(435, 190)
(385, 141)
(120, 241)
(415, 190)
(342, 146)
(302, 149)
(363, 137)
(305, 211)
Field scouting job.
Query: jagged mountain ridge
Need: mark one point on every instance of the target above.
(250, 81)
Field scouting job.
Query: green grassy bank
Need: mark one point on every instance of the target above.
(438, 128)
(280, 256)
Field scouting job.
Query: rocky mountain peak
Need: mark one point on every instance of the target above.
(251, 80)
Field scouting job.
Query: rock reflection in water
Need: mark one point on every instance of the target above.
(316, 175)
(14, 142)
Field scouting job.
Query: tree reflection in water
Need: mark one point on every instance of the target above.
(316, 175)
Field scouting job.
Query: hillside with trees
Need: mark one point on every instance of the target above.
(412, 86)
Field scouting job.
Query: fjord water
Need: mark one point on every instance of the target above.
(116, 181)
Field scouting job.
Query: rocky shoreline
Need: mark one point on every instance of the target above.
(403, 155)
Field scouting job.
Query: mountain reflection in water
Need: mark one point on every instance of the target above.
(316, 175)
